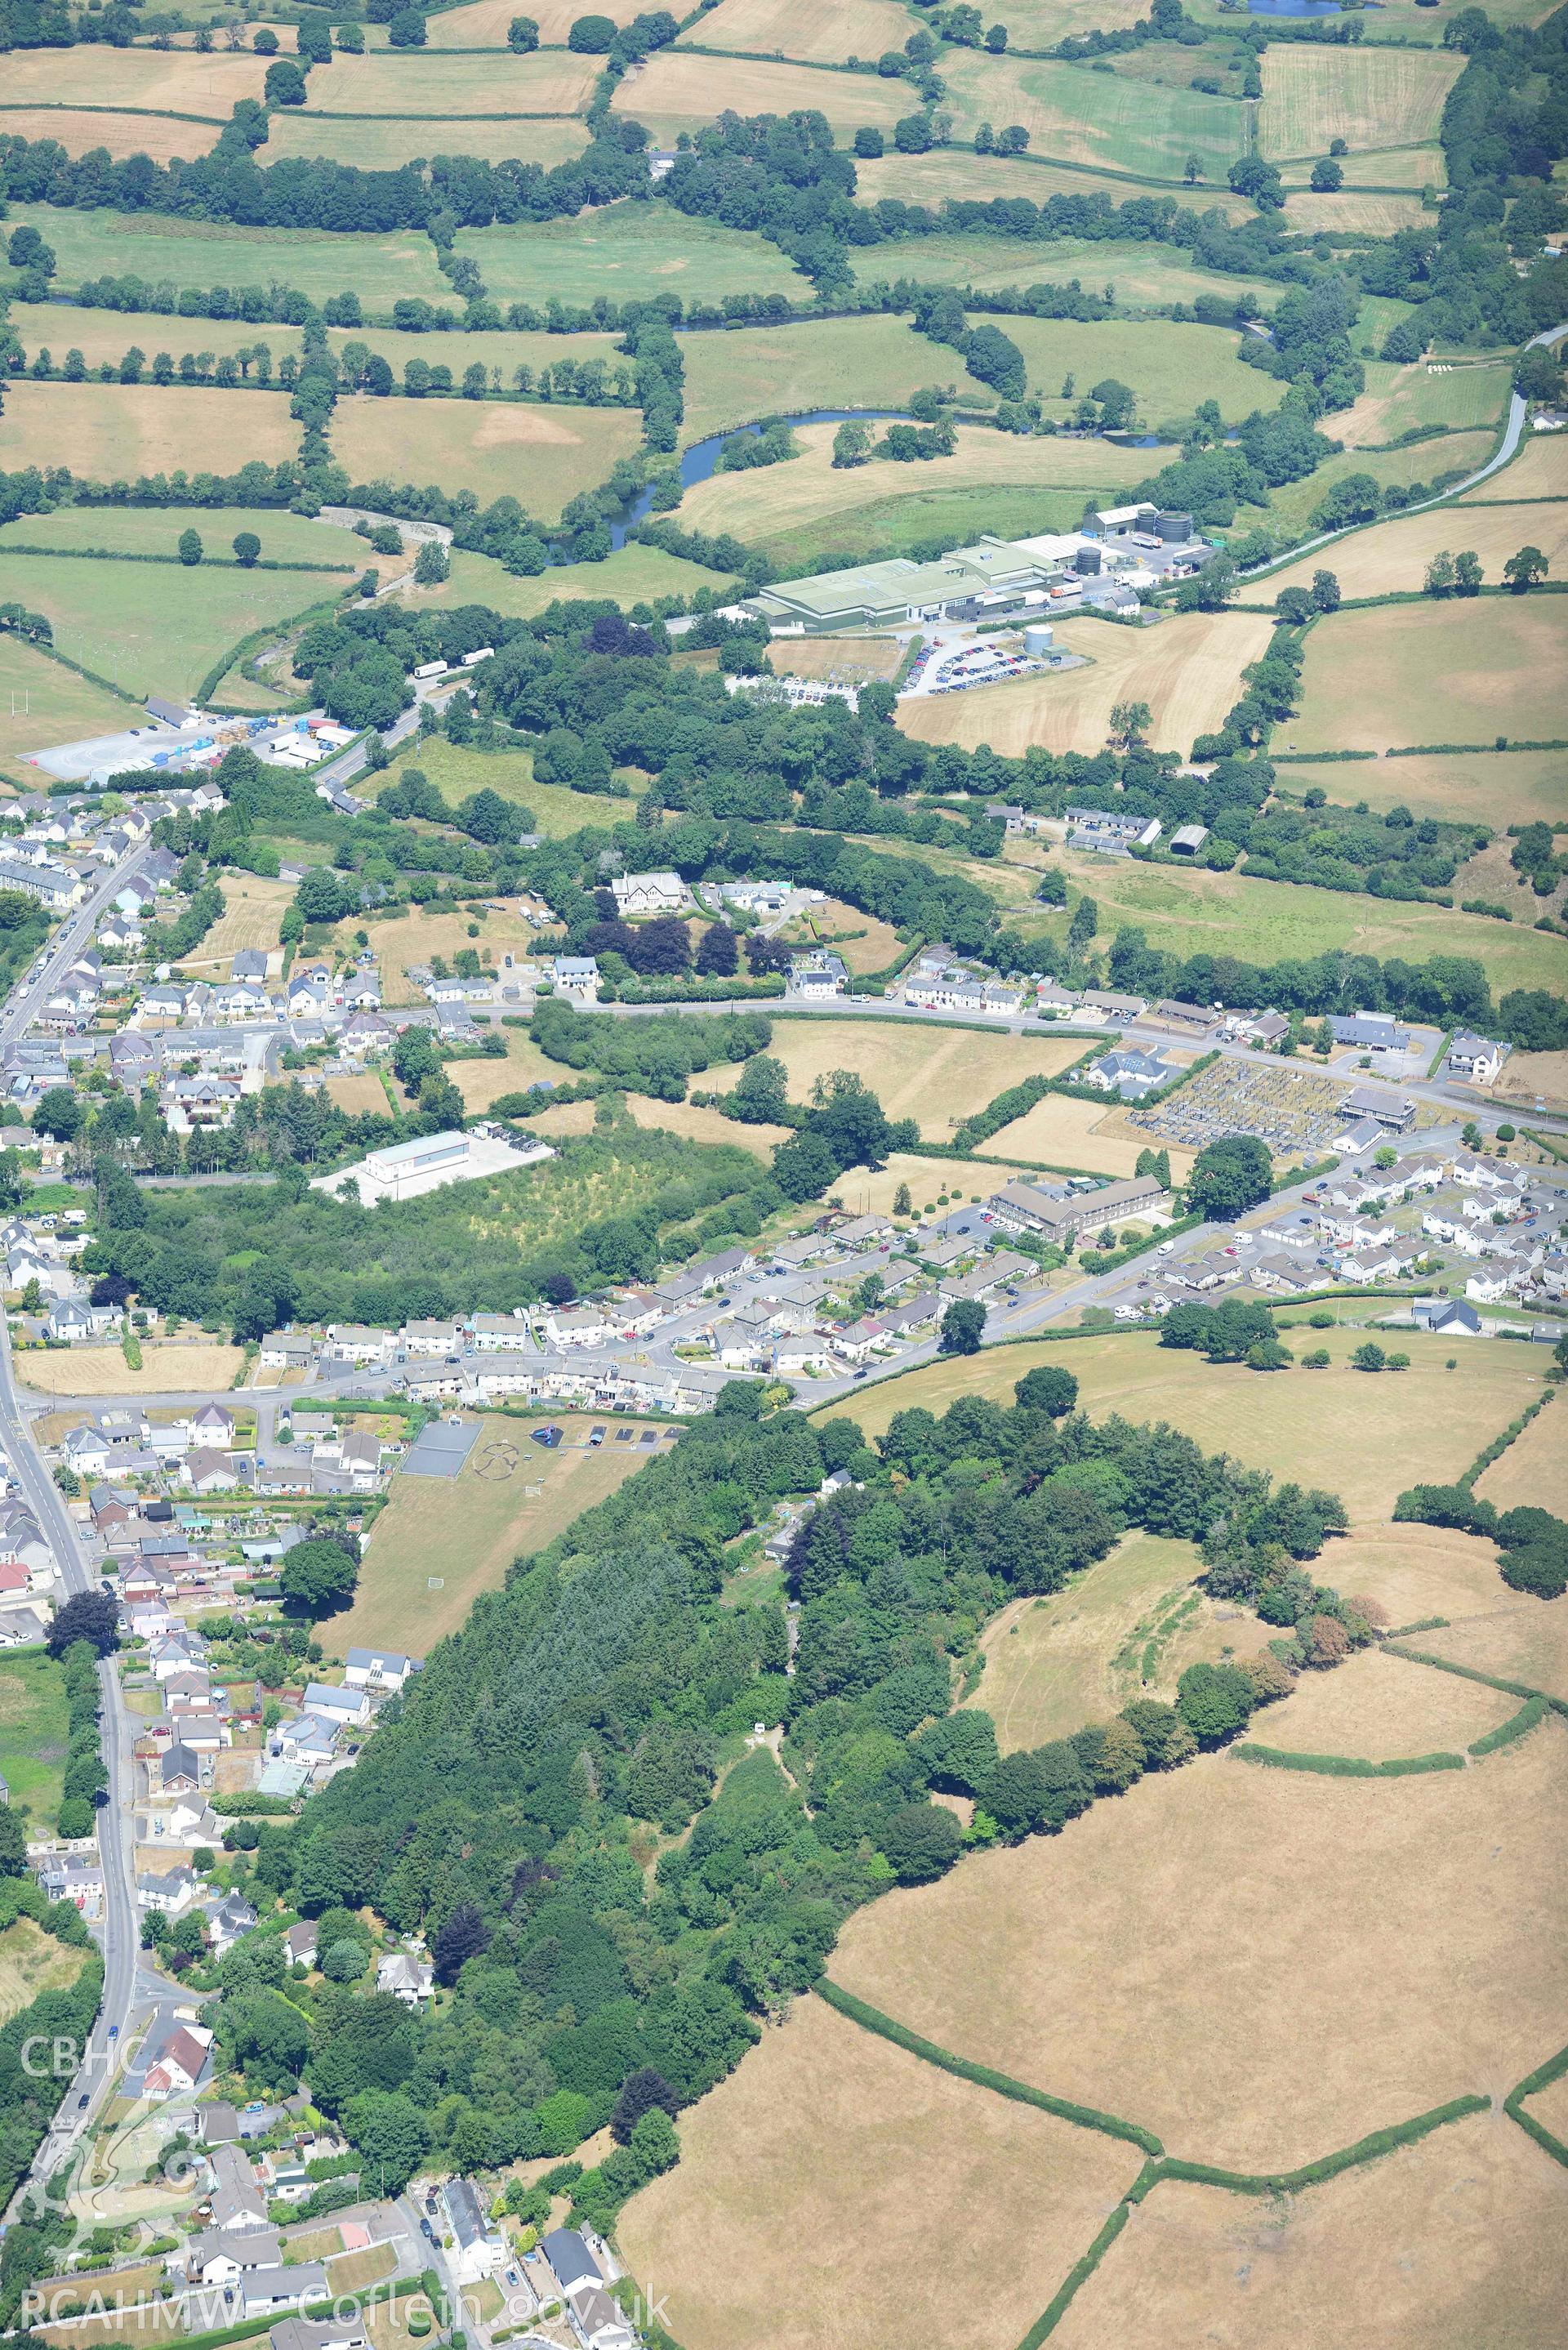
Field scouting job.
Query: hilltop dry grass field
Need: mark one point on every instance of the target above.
(1529, 1645)
(1366, 1438)
(1189, 671)
(1446, 2244)
(1126, 1627)
(1391, 557)
(1418, 1572)
(1371, 97)
(80, 130)
(1419, 673)
(542, 456)
(1533, 1470)
(830, 2139)
(1124, 1964)
(1382, 1707)
(113, 431)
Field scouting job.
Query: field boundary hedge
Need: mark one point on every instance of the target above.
(1500, 1444)
(1350, 1767)
(982, 2076)
(1533, 2083)
(1518, 1725)
(1470, 1673)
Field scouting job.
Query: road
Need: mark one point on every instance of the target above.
(71, 939)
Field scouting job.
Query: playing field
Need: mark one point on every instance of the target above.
(1062, 1131)
(1370, 96)
(385, 143)
(830, 2136)
(181, 81)
(1363, 1436)
(808, 493)
(32, 1961)
(675, 91)
(168, 1368)
(42, 703)
(1133, 1962)
(33, 1733)
(115, 431)
(155, 530)
(820, 32)
(542, 456)
(82, 129)
(430, 82)
(441, 1541)
(937, 1075)
(733, 378)
(1529, 1645)
(154, 630)
(1397, 398)
(1449, 2244)
(953, 171)
(1433, 673)
(1126, 1627)
(1506, 787)
(617, 249)
(1189, 671)
(192, 253)
(1081, 116)
(1380, 1708)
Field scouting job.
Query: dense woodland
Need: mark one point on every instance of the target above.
(510, 1803)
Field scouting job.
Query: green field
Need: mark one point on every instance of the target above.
(627, 251)
(1500, 789)
(42, 703)
(156, 631)
(954, 171)
(1080, 115)
(33, 1727)
(386, 143)
(1144, 275)
(154, 530)
(319, 262)
(923, 511)
(61, 327)
(633, 575)
(457, 773)
(752, 372)
(1291, 505)
(1171, 368)
(1400, 399)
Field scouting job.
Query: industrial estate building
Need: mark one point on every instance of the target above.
(1128, 548)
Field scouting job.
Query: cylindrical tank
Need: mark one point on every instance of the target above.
(1175, 529)
(1037, 636)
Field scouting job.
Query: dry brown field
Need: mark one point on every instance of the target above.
(1397, 167)
(937, 1075)
(114, 431)
(1392, 557)
(415, 938)
(360, 1095)
(1381, 1707)
(770, 499)
(179, 82)
(461, 1533)
(168, 1368)
(1416, 1572)
(1528, 1645)
(1062, 1131)
(253, 908)
(32, 1961)
(482, 1082)
(1409, 673)
(1445, 2245)
(1497, 788)
(1054, 1664)
(572, 1118)
(540, 455)
(953, 171)
(695, 1124)
(1364, 1437)
(482, 25)
(863, 944)
(1533, 1467)
(79, 131)
(674, 91)
(1189, 671)
(1527, 1077)
(820, 32)
(1540, 471)
(1550, 2107)
(1371, 97)
(1361, 213)
(428, 82)
(853, 658)
(1127, 1963)
(830, 2139)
